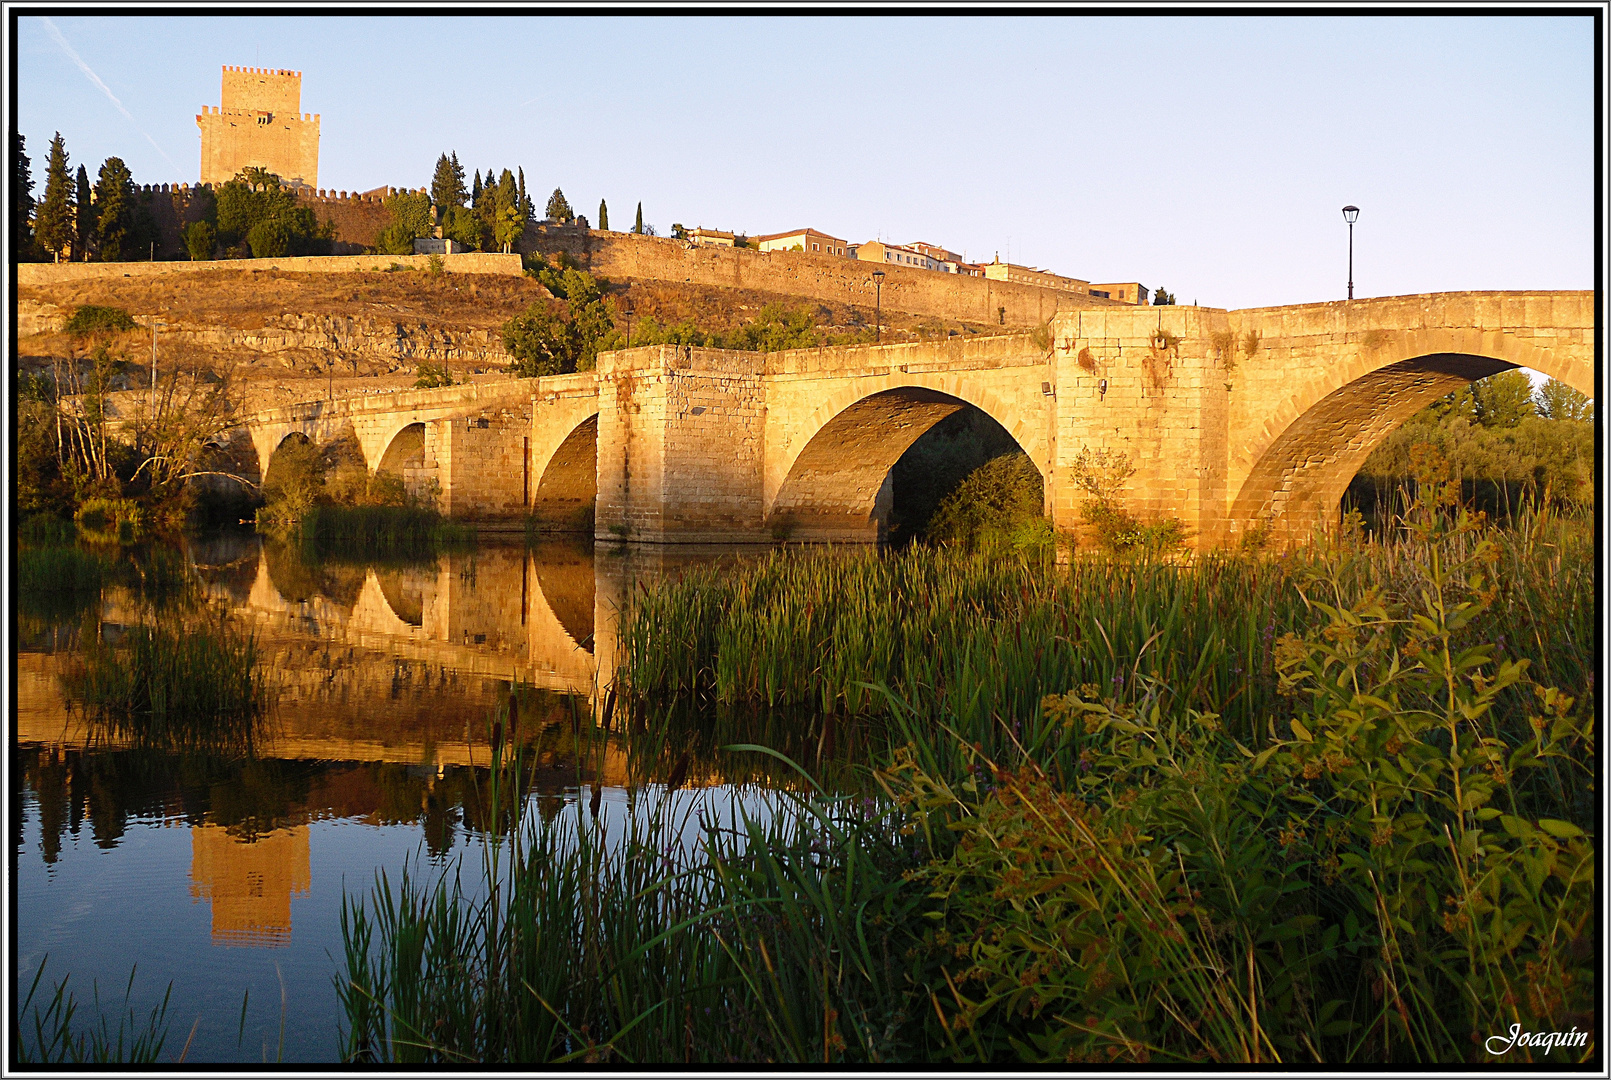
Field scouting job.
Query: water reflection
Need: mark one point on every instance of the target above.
(249, 883)
(373, 751)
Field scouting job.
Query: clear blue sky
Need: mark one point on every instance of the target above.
(1207, 154)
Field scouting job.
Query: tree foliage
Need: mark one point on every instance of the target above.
(637, 226)
(256, 196)
(1557, 401)
(410, 218)
(122, 225)
(55, 223)
(200, 239)
(1162, 297)
(558, 209)
(1503, 400)
(85, 241)
(447, 185)
(22, 200)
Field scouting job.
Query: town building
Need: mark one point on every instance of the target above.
(1131, 292)
(710, 236)
(1030, 275)
(259, 124)
(809, 241)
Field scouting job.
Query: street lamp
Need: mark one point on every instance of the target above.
(1350, 215)
(878, 305)
(628, 314)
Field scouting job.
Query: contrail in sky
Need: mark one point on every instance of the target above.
(96, 79)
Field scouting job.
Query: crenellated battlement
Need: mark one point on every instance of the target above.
(259, 122)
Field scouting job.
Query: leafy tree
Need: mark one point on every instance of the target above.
(637, 226)
(509, 227)
(558, 209)
(410, 218)
(118, 236)
(541, 340)
(86, 216)
(55, 224)
(461, 225)
(447, 186)
(1557, 401)
(22, 198)
(604, 216)
(680, 233)
(256, 195)
(1162, 297)
(1503, 400)
(200, 240)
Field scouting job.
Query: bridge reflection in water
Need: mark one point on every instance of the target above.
(386, 678)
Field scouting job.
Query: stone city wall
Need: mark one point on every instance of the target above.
(474, 262)
(818, 277)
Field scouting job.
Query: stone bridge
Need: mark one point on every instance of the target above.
(1232, 420)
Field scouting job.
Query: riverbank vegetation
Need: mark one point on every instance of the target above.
(1336, 806)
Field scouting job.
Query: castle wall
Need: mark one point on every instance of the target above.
(473, 262)
(818, 277)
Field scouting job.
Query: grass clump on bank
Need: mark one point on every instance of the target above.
(47, 1037)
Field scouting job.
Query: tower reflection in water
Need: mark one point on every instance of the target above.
(249, 882)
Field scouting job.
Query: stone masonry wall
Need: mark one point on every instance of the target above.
(680, 445)
(473, 262)
(818, 277)
(481, 461)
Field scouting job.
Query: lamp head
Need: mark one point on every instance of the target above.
(878, 276)
(1350, 214)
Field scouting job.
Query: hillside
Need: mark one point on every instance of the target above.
(291, 336)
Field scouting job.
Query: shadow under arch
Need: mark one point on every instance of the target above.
(568, 487)
(839, 487)
(1297, 483)
(404, 458)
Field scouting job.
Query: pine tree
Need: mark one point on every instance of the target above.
(508, 195)
(638, 226)
(86, 217)
(447, 185)
(558, 208)
(604, 216)
(54, 224)
(22, 199)
(115, 229)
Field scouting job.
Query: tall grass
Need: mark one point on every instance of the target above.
(47, 1036)
(1337, 807)
(59, 583)
(336, 532)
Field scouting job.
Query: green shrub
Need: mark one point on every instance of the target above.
(997, 498)
(90, 319)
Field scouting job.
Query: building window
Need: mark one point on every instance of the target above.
(815, 247)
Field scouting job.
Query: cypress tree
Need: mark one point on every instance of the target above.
(22, 198)
(475, 192)
(86, 217)
(54, 224)
(638, 226)
(524, 205)
(604, 216)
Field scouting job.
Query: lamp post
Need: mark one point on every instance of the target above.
(878, 305)
(1350, 215)
(155, 322)
(628, 314)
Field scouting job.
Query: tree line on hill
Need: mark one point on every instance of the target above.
(256, 215)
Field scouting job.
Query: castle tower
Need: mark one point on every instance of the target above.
(259, 123)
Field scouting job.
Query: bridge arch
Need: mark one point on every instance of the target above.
(1321, 433)
(566, 479)
(836, 485)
